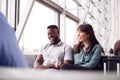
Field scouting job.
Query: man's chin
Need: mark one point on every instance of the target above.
(52, 42)
(80, 40)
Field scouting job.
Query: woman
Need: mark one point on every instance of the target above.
(87, 51)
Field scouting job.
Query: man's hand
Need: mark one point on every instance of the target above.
(58, 64)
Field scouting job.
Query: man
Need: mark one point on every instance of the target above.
(10, 54)
(55, 53)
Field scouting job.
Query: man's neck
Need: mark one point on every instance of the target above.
(56, 42)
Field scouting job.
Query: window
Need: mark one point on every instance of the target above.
(71, 29)
(35, 32)
(68, 31)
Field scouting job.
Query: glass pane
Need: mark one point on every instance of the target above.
(68, 31)
(23, 4)
(71, 27)
(35, 32)
(71, 6)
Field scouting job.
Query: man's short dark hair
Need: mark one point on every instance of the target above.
(52, 26)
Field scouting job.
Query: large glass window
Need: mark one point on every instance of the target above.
(35, 32)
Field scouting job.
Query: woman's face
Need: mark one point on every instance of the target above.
(82, 36)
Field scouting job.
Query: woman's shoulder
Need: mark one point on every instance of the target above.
(97, 46)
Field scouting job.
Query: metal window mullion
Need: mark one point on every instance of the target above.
(63, 26)
(17, 6)
(63, 22)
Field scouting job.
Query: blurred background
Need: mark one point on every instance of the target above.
(30, 19)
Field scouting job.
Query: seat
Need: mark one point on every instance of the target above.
(100, 65)
(113, 63)
(30, 60)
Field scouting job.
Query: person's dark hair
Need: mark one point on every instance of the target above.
(87, 28)
(53, 26)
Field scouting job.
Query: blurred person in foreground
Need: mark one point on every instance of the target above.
(10, 54)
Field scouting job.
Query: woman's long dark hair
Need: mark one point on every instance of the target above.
(87, 28)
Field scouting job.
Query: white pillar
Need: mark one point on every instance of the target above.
(63, 24)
